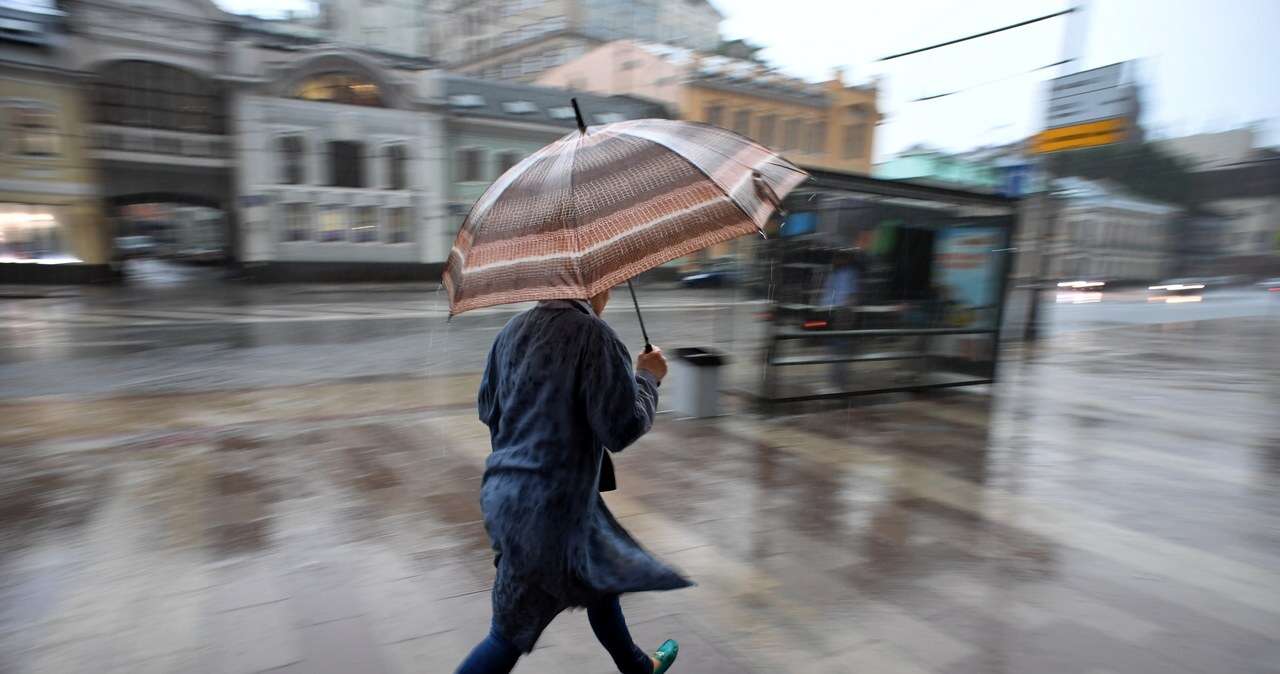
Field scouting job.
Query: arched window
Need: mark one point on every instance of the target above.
(157, 96)
(340, 87)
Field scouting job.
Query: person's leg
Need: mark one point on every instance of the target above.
(494, 655)
(611, 629)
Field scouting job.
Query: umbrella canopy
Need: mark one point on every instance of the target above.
(606, 203)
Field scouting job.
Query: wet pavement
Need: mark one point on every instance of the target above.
(1111, 506)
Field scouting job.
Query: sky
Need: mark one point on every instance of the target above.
(1205, 65)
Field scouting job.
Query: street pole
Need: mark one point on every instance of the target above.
(1073, 41)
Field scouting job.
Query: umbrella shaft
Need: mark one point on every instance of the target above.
(647, 346)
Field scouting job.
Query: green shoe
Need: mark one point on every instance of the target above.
(666, 654)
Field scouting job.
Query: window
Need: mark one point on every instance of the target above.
(365, 229)
(30, 233)
(398, 225)
(346, 164)
(520, 107)
(292, 160)
(855, 132)
(397, 167)
(742, 122)
(714, 114)
(333, 224)
(35, 132)
(297, 226)
(854, 145)
(506, 160)
(767, 124)
(140, 93)
(791, 135)
(470, 165)
(466, 101)
(818, 138)
(339, 87)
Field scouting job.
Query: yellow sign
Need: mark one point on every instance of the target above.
(1078, 136)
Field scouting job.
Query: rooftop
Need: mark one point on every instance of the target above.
(543, 105)
(735, 71)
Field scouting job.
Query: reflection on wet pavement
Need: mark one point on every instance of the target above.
(1113, 505)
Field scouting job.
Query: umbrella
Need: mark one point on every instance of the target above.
(606, 203)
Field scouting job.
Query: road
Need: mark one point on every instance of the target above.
(202, 477)
(183, 332)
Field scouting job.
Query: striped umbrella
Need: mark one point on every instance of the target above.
(606, 203)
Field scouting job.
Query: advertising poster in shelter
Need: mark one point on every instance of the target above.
(966, 267)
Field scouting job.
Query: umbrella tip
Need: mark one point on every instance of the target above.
(577, 112)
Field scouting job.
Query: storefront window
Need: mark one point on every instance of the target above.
(333, 224)
(31, 233)
(297, 223)
(398, 225)
(366, 226)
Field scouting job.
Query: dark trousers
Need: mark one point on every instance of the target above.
(496, 655)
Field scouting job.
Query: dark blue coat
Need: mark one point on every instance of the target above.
(559, 389)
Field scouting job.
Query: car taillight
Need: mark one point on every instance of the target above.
(814, 325)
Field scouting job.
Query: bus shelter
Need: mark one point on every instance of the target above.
(878, 286)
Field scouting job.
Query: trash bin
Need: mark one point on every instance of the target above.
(697, 381)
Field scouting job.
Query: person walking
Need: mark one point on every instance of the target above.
(558, 391)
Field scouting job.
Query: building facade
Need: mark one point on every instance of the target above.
(1105, 234)
(340, 163)
(828, 125)
(518, 40)
(1237, 182)
(405, 27)
(491, 126)
(317, 159)
(50, 220)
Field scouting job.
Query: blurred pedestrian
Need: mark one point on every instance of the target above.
(840, 297)
(558, 391)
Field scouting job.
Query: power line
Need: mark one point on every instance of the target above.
(989, 82)
(975, 36)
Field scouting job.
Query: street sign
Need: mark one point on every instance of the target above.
(1088, 109)
(1085, 81)
(1115, 102)
(1080, 136)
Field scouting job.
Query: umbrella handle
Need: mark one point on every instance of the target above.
(648, 348)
